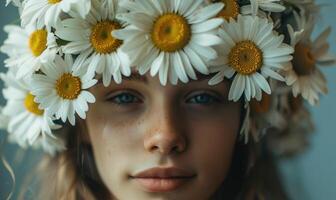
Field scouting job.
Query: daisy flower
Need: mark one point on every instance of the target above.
(26, 121)
(16, 3)
(28, 48)
(266, 5)
(230, 10)
(91, 38)
(252, 52)
(50, 145)
(308, 5)
(171, 37)
(47, 12)
(3, 120)
(293, 138)
(265, 116)
(305, 77)
(61, 90)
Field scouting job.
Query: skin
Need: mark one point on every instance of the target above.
(140, 124)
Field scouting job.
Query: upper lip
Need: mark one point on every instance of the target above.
(164, 172)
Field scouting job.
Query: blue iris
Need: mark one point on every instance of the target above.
(203, 99)
(125, 98)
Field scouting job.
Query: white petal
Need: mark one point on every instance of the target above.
(262, 83)
(196, 61)
(88, 97)
(207, 25)
(157, 63)
(206, 39)
(206, 12)
(179, 68)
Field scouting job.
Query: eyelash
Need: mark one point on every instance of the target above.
(209, 98)
(117, 98)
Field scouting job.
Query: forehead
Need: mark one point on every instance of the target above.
(148, 79)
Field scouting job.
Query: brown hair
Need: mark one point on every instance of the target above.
(73, 171)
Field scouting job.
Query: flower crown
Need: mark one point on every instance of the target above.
(263, 46)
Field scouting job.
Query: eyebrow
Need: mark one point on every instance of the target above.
(136, 77)
(201, 77)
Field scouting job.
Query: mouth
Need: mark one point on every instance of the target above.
(162, 184)
(163, 179)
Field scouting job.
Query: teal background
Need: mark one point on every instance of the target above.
(310, 176)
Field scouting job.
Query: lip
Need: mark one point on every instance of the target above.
(160, 179)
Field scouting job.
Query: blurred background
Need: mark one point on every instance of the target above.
(310, 176)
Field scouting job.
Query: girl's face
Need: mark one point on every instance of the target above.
(140, 124)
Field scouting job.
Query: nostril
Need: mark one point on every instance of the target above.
(166, 149)
(176, 149)
(165, 141)
(154, 148)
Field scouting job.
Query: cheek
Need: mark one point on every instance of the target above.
(112, 144)
(212, 146)
(213, 149)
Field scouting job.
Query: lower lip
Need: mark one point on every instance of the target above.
(161, 184)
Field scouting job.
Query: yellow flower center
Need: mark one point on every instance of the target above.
(262, 106)
(246, 58)
(32, 106)
(171, 32)
(303, 60)
(38, 42)
(101, 37)
(230, 10)
(54, 1)
(68, 86)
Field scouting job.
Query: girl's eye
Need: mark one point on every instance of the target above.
(204, 99)
(124, 98)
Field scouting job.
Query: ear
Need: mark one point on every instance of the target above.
(84, 133)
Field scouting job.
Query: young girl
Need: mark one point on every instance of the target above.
(142, 140)
(162, 99)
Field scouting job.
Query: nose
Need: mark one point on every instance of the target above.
(165, 135)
